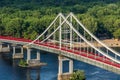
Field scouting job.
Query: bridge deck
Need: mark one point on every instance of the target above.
(83, 53)
(75, 54)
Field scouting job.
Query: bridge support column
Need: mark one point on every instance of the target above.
(70, 66)
(0, 47)
(22, 50)
(17, 55)
(28, 55)
(13, 50)
(8, 46)
(60, 66)
(38, 55)
(34, 62)
(67, 75)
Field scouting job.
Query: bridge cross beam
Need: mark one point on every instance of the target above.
(19, 54)
(14, 50)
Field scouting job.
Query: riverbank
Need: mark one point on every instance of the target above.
(112, 42)
(108, 42)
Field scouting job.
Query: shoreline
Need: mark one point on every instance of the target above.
(111, 42)
(108, 42)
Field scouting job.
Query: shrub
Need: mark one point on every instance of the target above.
(78, 75)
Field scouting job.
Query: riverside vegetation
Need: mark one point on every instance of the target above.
(78, 75)
(23, 63)
(28, 18)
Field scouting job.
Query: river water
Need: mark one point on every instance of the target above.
(10, 71)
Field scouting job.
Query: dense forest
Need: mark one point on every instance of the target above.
(28, 18)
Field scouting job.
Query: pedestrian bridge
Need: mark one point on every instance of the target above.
(64, 37)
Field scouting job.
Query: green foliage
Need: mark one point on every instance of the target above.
(14, 27)
(29, 18)
(23, 63)
(117, 34)
(1, 28)
(78, 75)
(79, 9)
(90, 23)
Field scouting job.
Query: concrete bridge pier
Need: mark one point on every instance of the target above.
(34, 62)
(28, 54)
(17, 55)
(4, 48)
(29, 60)
(0, 47)
(38, 55)
(67, 75)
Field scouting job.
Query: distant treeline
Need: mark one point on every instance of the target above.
(28, 18)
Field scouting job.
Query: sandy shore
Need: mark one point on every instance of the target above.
(108, 42)
(112, 42)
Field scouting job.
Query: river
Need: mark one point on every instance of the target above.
(10, 71)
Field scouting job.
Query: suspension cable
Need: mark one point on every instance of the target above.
(118, 61)
(56, 28)
(45, 30)
(115, 52)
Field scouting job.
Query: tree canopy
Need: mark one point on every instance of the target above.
(28, 18)
(78, 75)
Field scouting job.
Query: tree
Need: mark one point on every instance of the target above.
(117, 34)
(78, 9)
(1, 28)
(30, 33)
(109, 24)
(78, 75)
(90, 23)
(14, 27)
(116, 24)
(19, 17)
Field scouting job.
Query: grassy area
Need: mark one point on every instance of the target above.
(23, 63)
